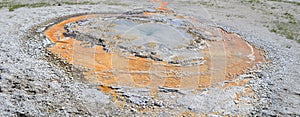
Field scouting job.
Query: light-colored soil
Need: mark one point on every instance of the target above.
(35, 83)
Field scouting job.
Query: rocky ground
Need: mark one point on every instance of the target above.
(34, 85)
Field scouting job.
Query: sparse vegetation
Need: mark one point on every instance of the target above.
(290, 17)
(34, 5)
(116, 3)
(41, 4)
(291, 2)
(287, 29)
(254, 1)
(204, 3)
(13, 6)
(76, 3)
(3, 4)
(286, 22)
(16, 6)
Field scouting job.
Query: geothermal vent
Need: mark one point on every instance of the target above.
(150, 49)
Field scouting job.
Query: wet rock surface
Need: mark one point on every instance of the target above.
(122, 58)
(114, 49)
(32, 85)
(158, 37)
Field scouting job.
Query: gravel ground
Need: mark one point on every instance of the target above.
(32, 85)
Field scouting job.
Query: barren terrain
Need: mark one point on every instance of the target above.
(150, 58)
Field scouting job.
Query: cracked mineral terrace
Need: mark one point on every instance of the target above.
(135, 49)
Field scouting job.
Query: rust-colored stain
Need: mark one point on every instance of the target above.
(56, 32)
(224, 60)
(163, 5)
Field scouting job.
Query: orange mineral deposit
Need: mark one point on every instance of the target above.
(223, 59)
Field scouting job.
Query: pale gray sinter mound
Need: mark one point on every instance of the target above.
(159, 41)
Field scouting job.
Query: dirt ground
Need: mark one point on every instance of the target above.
(34, 83)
